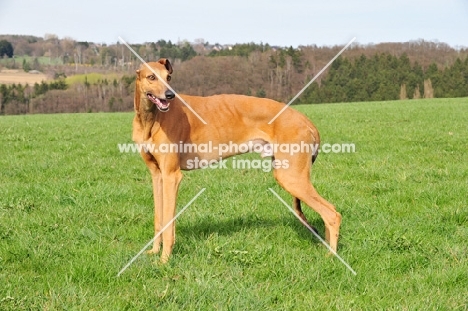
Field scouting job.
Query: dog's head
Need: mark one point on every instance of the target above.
(153, 84)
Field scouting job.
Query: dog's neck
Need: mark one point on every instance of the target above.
(146, 116)
(146, 106)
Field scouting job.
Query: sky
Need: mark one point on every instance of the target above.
(282, 23)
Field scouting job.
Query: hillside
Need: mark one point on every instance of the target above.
(384, 71)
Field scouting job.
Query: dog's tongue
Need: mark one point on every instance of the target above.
(161, 103)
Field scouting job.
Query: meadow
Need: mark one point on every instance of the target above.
(20, 77)
(92, 78)
(74, 211)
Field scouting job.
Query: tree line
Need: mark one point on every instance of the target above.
(58, 52)
(387, 77)
(280, 75)
(57, 96)
(377, 78)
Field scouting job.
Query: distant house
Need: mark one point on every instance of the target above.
(217, 47)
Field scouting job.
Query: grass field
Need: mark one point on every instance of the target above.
(74, 211)
(20, 77)
(92, 78)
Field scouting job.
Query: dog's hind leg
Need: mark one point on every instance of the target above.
(298, 210)
(296, 181)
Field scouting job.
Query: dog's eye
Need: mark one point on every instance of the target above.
(169, 78)
(151, 77)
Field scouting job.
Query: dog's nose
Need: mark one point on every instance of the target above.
(169, 94)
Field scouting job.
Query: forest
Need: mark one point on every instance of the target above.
(94, 77)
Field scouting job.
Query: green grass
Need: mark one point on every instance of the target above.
(73, 211)
(92, 78)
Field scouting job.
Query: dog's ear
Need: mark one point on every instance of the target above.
(166, 64)
(138, 74)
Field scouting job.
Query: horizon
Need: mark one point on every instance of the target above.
(180, 41)
(298, 23)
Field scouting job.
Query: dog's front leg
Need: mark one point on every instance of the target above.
(171, 181)
(158, 207)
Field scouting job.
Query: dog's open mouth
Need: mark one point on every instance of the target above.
(162, 104)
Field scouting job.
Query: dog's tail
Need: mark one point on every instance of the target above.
(316, 139)
(314, 155)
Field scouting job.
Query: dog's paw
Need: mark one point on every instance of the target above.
(153, 251)
(163, 260)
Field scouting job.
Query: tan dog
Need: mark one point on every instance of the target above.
(161, 118)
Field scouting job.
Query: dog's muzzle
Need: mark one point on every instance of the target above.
(162, 104)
